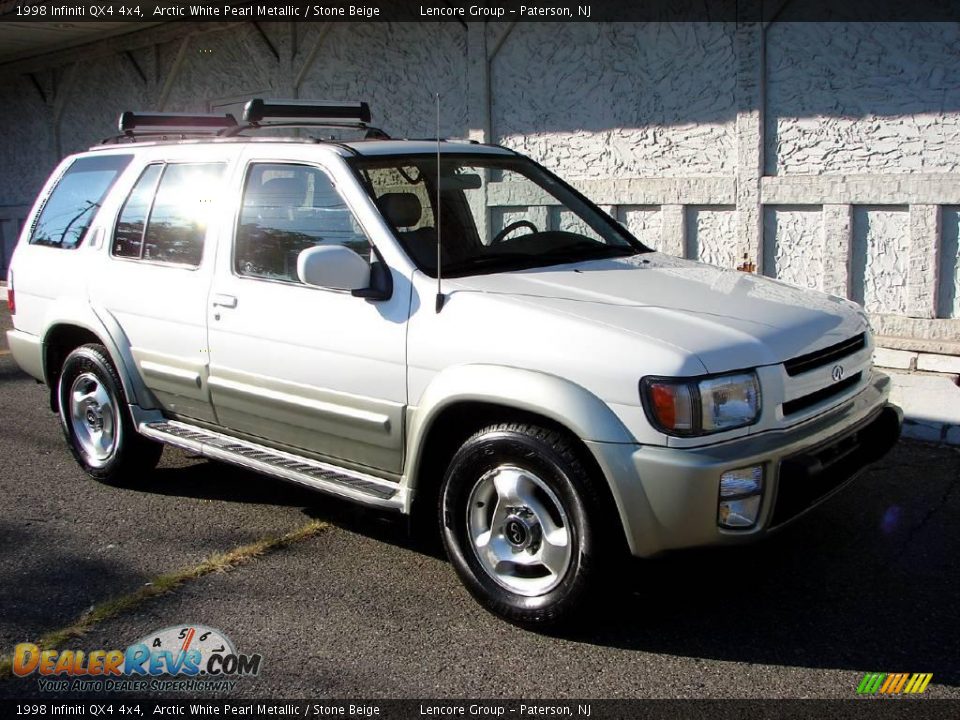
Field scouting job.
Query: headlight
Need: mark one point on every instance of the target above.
(700, 406)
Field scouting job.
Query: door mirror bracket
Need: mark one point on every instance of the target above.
(381, 282)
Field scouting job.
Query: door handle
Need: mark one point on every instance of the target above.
(227, 301)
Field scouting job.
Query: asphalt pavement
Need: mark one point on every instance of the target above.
(868, 582)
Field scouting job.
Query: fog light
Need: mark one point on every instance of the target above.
(739, 513)
(744, 481)
(740, 494)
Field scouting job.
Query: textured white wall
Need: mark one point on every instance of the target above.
(627, 100)
(859, 127)
(397, 68)
(794, 245)
(27, 144)
(863, 97)
(223, 63)
(709, 234)
(91, 104)
(881, 249)
(646, 223)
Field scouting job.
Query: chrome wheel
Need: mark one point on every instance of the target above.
(519, 531)
(93, 417)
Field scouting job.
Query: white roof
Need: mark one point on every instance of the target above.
(417, 147)
(361, 147)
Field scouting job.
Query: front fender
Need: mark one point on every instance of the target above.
(560, 400)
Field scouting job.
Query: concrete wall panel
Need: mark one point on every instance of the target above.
(793, 242)
(948, 300)
(710, 236)
(881, 247)
(645, 222)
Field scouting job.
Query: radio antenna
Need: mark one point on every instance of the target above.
(440, 297)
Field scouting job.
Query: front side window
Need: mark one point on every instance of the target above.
(497, 213)
(165, 217)
(71, 207)
(286, 209)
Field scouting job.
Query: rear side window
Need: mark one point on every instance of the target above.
(71, 207)
(164, 219)
(128, 237)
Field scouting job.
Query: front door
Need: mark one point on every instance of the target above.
(299, 366)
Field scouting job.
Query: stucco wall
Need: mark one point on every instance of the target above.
(881, 247)
(629, 100)
(862, 98)
(827, 153)
(797, 245)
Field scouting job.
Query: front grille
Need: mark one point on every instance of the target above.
(792, 407)
(811, 361)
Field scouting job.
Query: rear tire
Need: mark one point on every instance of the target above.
(96, 420)
(520, 515)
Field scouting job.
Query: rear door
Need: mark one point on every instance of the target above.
(156, 278)
(303, 367)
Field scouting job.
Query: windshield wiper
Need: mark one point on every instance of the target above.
(489, 259)
(585, 250)
(590, 248)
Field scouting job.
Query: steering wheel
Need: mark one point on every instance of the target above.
(511, 227)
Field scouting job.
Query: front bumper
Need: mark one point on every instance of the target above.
(667, 497)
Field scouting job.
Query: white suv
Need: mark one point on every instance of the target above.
(440, 328)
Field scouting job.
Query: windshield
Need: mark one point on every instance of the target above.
(496, 213)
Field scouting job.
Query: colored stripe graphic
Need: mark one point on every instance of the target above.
(871, 683)
(894, 683)
(919, 682)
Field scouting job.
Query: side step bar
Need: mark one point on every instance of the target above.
(349, 484)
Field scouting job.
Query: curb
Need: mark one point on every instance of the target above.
(930, 403)
(942, 433)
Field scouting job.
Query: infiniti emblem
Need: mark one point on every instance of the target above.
(516, 532)
(837, 373)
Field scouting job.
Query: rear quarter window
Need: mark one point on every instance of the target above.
(164, 219)
(73, 204)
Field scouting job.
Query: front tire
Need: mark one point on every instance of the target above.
(520, 514)
(96, 420)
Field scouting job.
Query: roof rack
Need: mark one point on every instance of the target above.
(134, 126)
(257, 114)
(320, 112)
(260, 113)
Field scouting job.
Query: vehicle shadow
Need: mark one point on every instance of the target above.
(210, 480)
(866, 582)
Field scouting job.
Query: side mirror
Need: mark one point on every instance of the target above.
(333, 266)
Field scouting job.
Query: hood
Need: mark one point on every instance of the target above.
(728, 319)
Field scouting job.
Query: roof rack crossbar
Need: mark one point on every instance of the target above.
(134, 124)
(370, 132)
(317, 111)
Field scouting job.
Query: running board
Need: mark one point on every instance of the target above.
(317, 475)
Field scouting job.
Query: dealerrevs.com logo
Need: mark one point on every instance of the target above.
(180, 657)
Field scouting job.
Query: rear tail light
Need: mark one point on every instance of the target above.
(11, 301)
